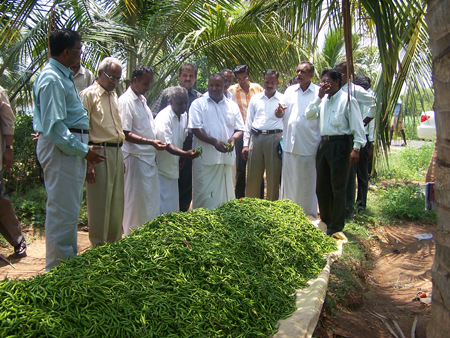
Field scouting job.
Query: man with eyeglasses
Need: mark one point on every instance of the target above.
(104, 181)
(62, 146)
(342, 137)
(242, 92)
(364, 98)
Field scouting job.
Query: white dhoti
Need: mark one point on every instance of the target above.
(168, 191)
(212, 185)
(142, 201)
(298, 181)
(64, 177)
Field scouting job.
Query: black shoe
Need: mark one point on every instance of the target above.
(21, 248)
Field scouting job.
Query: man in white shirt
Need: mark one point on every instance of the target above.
(339, 119)
(216, 122)
(171, 128)
(82, 77)
(142, 204)
(301, 137)
(263, 132)
(366, 99)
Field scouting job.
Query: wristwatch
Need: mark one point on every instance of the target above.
(9, 147)
(356, 149)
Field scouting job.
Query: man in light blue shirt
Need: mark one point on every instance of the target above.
(63, 125)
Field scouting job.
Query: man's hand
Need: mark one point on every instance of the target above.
(244, 153)
(8, 158)
(90, 173)
(230, 144)
(94, 157)
(367, 120)
(220, 146)
(159, 145)
(191, 154)
(324, 89)
(354, 156)
(36, 136)
(279, 111)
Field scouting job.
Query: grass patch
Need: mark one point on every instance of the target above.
(346, 287)
(405, 202)
(409, 164)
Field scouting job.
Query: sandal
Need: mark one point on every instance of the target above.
(21, 248)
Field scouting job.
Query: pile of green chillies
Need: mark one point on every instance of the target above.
(227, 272)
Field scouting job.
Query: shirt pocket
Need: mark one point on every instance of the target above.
(337, 119)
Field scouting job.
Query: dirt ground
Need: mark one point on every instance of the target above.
(402, 268)
(34, 263)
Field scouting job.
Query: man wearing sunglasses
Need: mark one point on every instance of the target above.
(242, 92)
(105, 180)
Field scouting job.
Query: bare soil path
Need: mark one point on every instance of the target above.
(402, 268)
(34, 263)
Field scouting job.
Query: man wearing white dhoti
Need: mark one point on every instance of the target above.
(141, 195)
(171, 128)
(300, 141)
(216, 122)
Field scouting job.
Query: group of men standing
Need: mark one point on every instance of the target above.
(129, 156)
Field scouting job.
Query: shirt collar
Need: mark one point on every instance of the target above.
(310, 87)
(276, 95)
(209, 98)
(134, 96)
(173, 114)
(66, 71)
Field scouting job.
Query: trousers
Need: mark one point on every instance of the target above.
(64, 178)
(333, 166)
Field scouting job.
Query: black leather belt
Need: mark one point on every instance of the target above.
(335, 137)
(107, 144)
(78, 131)
(267, 132)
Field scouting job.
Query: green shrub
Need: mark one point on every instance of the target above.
(405, 202)
(30, 205)
(25, 171)
(408, 164)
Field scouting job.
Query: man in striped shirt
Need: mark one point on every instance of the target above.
(242, 92)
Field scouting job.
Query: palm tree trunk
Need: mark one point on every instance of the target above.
(439, 30)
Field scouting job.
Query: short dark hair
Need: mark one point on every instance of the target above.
(62, 39)
(241, 69)
(293, 81)
(215, 75)
(226, 70)
(140, 70)
(311, 66)
(334, 74)
(271, 72)
(361, 80)
(342, 64)
(188, 67)
(368, 79)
